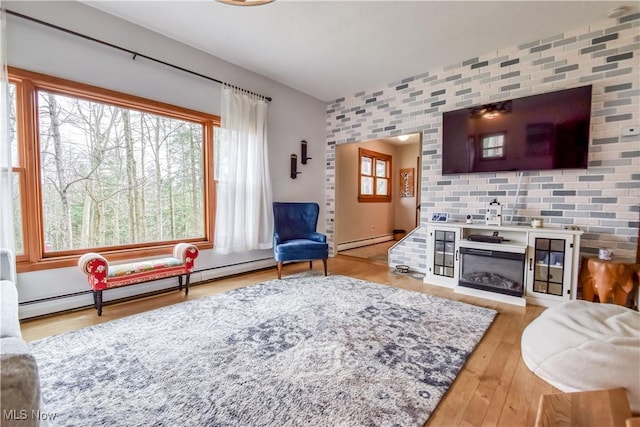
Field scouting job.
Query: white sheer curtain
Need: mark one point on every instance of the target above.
(244, 218)
(7, 238)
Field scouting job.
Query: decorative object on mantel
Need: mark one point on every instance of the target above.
(536, 223)
(287, 341)
(294, 166)
(439, 216)
(494, 213)
(469, 220)
(406, 182)
(303, 150)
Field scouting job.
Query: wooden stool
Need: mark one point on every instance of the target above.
(610, 281)
(598, 408)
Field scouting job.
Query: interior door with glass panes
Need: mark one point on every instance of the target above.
(549, 269)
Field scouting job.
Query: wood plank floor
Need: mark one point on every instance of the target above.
(494, 388)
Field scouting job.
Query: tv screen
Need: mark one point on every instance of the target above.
(540, 132)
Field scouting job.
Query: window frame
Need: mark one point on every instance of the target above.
(503, 147)
(34, 257)
(374, 156)
(19, 168)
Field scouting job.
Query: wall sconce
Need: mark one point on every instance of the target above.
(294, 166)
(303, 148)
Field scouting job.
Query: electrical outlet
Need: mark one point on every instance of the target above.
(631, 131)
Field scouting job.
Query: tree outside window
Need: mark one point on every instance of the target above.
(374, 176)
(109, 172)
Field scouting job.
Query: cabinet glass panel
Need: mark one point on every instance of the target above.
(444, 257)
(448, 260)
(549, 266)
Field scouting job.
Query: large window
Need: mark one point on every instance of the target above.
(374, 176)
(103, 171)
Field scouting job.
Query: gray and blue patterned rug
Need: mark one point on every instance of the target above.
(306, 350)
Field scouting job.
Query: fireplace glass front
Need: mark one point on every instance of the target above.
(491, 270)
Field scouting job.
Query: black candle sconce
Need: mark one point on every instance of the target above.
(303, 148)
(294, 166)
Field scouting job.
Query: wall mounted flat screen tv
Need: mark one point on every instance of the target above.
(540, 132)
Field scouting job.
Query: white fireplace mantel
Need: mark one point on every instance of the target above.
(548, 268)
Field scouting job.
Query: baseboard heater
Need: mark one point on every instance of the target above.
(84, 299)
(364, 242)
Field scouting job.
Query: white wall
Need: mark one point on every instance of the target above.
(293, 116)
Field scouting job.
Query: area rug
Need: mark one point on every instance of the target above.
(306, 350)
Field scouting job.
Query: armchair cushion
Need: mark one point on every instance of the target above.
(301, 250)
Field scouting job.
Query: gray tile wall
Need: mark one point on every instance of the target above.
(603, 200)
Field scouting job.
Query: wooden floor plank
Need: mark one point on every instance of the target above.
(489, 378)
(509, 352)
(491, 388)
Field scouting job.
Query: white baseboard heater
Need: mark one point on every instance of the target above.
(364, 242)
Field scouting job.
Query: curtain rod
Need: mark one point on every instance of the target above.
(124, 49)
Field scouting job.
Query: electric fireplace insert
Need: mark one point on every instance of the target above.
(492, 270)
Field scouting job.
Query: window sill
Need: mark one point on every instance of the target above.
(362, 199)
(111, 255)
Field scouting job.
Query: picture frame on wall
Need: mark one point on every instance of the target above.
(407, 186)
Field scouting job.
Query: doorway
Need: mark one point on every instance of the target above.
(367, 225)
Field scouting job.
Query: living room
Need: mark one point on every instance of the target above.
(602, 200)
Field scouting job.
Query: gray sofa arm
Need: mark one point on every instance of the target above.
(7, 265)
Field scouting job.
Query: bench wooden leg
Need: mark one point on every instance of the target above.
(97, 295)
(180, 282)
(186, 287)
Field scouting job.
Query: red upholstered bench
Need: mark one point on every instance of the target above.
(103, 276)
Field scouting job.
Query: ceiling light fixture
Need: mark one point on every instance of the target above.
(618, 11)
(491, 111)
(246, 2)
(403, 138)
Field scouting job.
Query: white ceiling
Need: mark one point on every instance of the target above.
(331, 49)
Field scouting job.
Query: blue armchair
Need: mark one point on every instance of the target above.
(294, 235)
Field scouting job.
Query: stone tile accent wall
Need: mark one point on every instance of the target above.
(603, 200)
